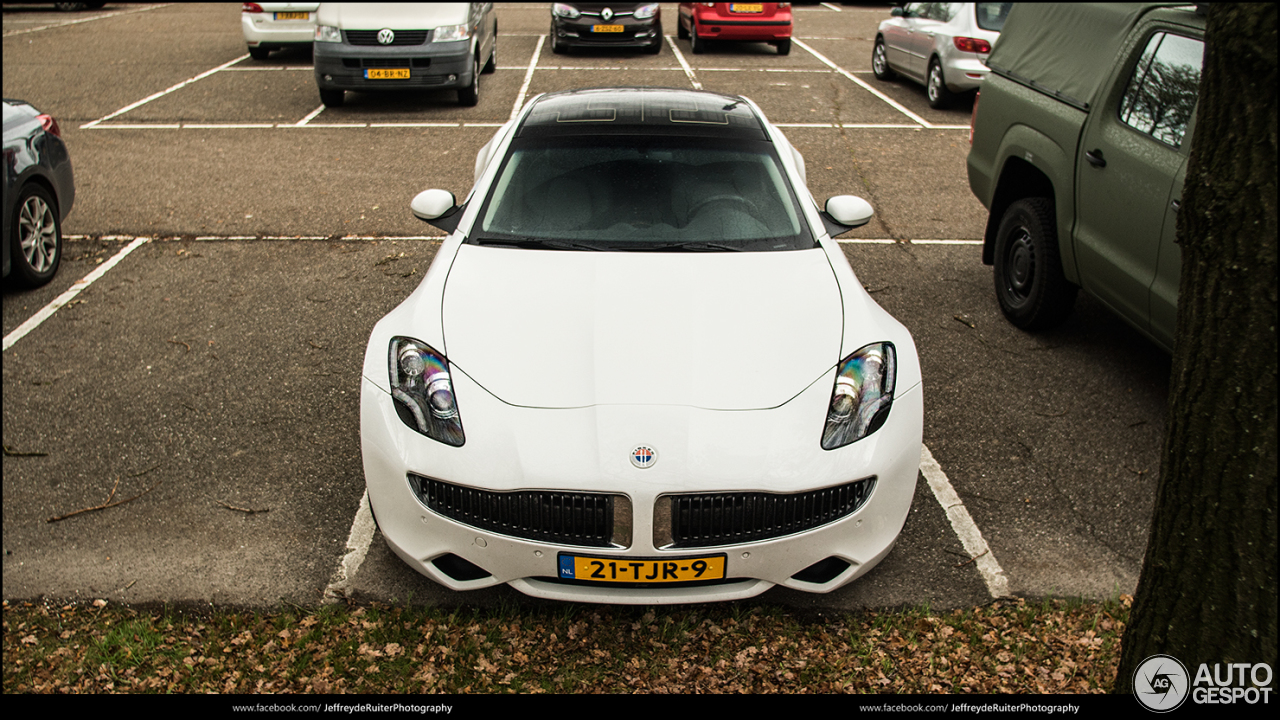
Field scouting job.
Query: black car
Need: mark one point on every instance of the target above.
(38, 193)
(606, 25)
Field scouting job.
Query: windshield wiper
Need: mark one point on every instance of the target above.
(532, 243)
(690, 246)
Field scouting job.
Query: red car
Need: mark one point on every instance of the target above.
(752, 22)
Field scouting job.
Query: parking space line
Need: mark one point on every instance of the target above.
(683, 63)
(891, 241)
(829, 6)
(84, 20)
(528, 78)
(358, 542)
(310, 116)
(207, 126)
(162, 93)
(892, 103)
(48, 310)
(963, 525)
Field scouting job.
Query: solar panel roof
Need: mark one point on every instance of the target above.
(659, 111)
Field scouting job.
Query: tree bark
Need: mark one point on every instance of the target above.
(1207, 593)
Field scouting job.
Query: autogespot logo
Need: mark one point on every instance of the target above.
(1160, 683)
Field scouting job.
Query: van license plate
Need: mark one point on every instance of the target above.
(387, 74)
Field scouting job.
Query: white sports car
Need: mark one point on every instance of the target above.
(639, 370)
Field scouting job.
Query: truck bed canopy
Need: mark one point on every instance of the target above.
(1065, 49)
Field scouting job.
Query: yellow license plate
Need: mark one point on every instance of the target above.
(387, 74)
(746, 8)
(292, 16)
(606, 28)
(641, 570)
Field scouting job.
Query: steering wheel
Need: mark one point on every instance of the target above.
(746, 204)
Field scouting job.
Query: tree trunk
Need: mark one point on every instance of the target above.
(1208, 588)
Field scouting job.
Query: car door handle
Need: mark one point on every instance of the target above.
(1095, 158)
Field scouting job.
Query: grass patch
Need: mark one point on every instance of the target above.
(1010, 646)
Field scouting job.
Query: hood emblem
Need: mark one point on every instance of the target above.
(386, 36)
(644, 456)
(606, 14)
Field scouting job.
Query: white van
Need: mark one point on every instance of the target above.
(396, 46)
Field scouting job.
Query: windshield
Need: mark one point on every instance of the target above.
(656, 192)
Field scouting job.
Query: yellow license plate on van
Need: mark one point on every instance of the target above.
(387, 74)
(618, 569)
(292, 16)
(606, 28)
(746, 8)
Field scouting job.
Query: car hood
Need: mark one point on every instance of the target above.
(722, 331)
(397, 16)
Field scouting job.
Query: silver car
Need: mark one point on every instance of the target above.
(943, 46)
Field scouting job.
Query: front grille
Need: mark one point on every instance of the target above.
(420, 62)
(403, 37)
(710, 519)
(568, 518)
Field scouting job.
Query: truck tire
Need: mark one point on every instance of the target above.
(1032, 291)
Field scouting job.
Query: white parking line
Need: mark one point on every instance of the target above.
(963, 525)
(358, 542)
(890, 241)
(892, 103)
(83, 20)
(48, 310)
(310, 116)
(829, 6)
(528, 78)
(162, 93)
(683, 63)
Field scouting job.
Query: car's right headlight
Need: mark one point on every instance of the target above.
(423, 391)
(565, 11)
(862, 396)
(328, 33)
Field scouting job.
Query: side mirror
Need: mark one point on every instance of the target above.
(438, 208)
(846, 212)
(897, 12)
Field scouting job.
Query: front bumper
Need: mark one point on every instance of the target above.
(340, 66)
(635, 33)
(586, 450)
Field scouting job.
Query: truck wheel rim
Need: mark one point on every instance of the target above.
(1021, 265)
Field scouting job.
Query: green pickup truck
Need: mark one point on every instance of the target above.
(1079, 149)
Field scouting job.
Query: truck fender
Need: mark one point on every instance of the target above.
(1033, 165)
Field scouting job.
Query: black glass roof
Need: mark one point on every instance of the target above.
(629, 111)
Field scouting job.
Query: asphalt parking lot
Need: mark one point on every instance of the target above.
(210, 376)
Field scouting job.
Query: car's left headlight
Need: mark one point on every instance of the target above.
(449, 33)
(862, 396)
(644, 12)
(328, 33)
(423, 391)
